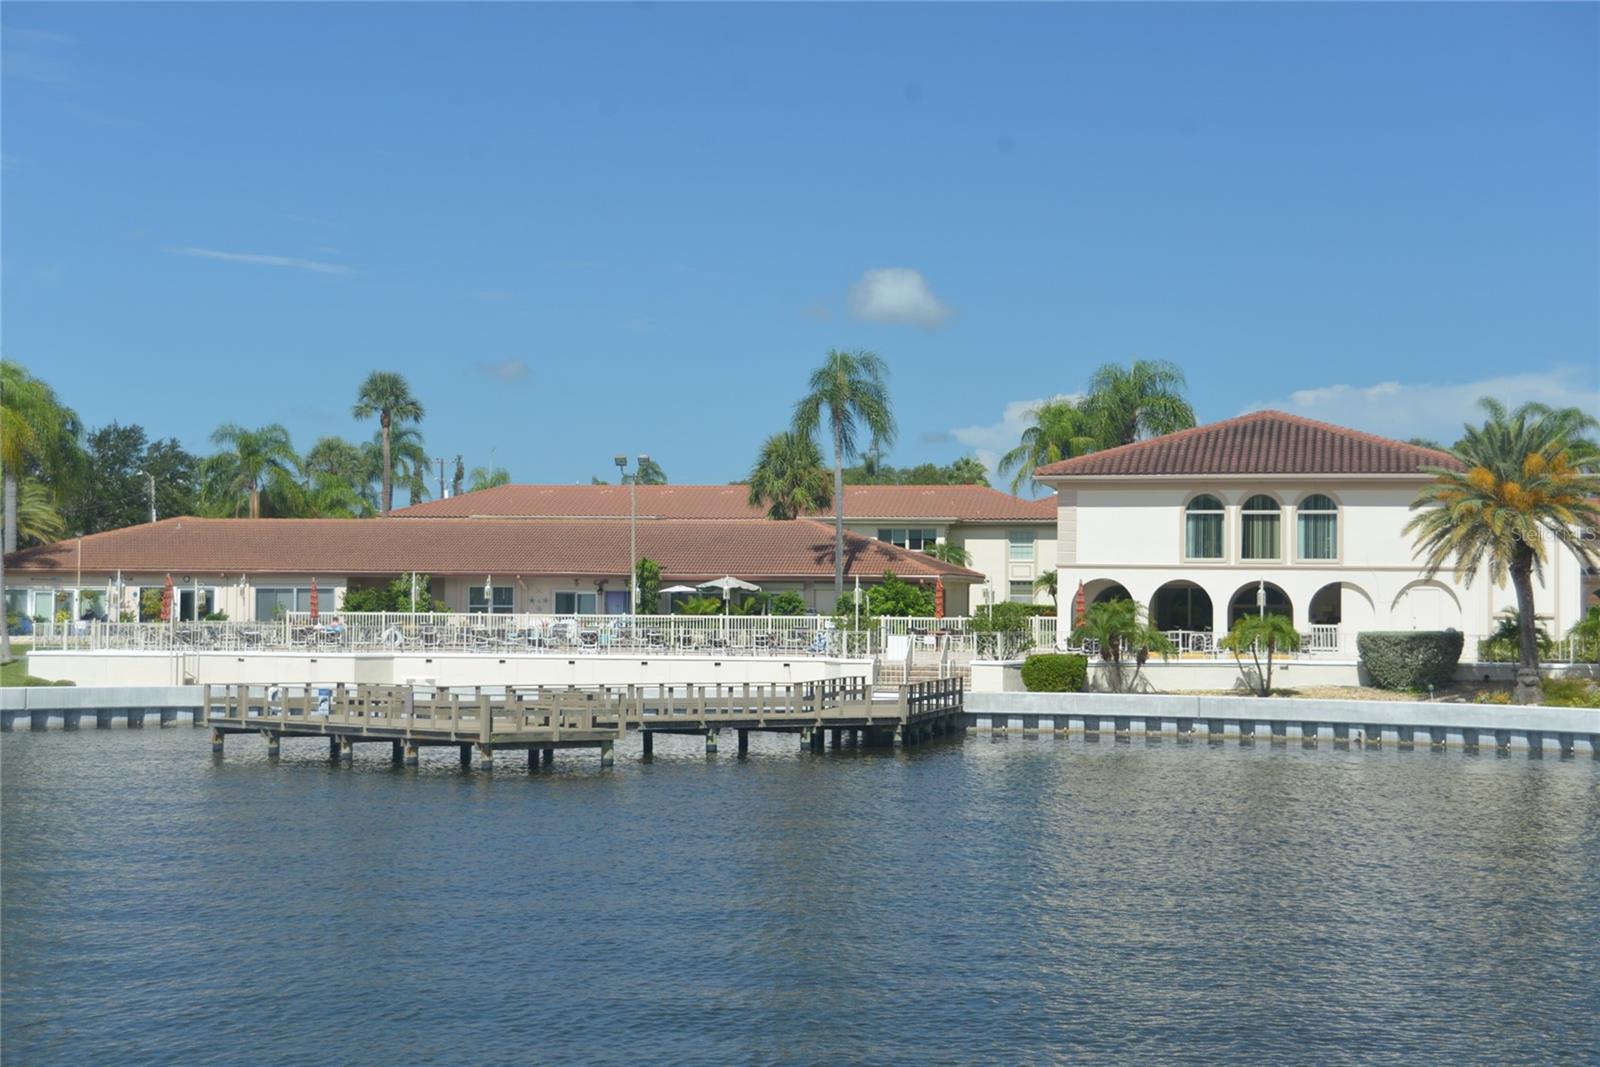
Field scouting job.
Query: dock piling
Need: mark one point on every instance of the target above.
(648, 739)
(744, 742)
(412, 755)
(607, 758)
(216, 741)
(272, 743)
(711, 741)
(347, 750)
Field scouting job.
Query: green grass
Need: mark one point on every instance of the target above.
(15, 673)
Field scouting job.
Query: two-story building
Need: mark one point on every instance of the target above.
(1274, 512)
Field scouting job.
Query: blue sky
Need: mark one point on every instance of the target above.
(583, 230)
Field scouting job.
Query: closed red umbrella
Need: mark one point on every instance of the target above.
(1080, 604)
(313, 600)
(166, 600)
(938, 598)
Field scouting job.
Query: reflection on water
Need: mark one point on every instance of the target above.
(1004, 901)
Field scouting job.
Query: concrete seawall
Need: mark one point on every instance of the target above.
(71, 704)
(1574, 731)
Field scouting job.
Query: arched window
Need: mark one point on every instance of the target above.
(1318, 519)
(1202, 528)
(1258, 528)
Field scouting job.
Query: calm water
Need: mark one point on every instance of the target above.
(1016, 901)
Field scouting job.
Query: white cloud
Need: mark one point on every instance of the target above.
(897, 296)
(312, 265)
(993, 440)
(505, 370)
(1437, 411)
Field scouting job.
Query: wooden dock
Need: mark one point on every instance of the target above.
(540, 720)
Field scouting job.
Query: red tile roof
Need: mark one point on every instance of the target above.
(903, 503)
(756, 550)
(1262, 442)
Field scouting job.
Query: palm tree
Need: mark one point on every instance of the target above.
(408, 458)
(487, 478)
(1144, 399)
(788, 478)
(1047, 582)
(851, 387)
(340, 477)
(1260, 635)
(253, 461)
(949, 552)
(37, 434)
(386, 395)
(1528, 474)
(38, 519)
(1061, 429)
(1121, 627)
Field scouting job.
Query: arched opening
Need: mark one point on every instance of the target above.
(1105, 592)
(1327, 605)
(1247, 602)
(1426, 605)
(1181, 605)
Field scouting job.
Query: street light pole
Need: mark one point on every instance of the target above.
(152, 478)
(633, 533)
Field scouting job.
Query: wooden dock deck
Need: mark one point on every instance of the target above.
(540, 720)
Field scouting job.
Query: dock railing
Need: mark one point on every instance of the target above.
(498, 714)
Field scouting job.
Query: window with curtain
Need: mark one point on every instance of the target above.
(1202, 531)
(1021, 592)
(1020, 546)
(1258, 528)
(1318, 519)
(502, 602)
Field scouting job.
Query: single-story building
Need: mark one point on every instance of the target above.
(1009, 541)
(260, 568)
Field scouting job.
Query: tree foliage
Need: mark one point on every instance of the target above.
(846, 396)
(386, 395)
(1123, 633)
(1262, 636)
(968, 470)
(1528, 475)
(788, 478)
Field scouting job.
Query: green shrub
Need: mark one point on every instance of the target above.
(1412, 659)
(788, 603)
(1570, 693)
(1055, 673)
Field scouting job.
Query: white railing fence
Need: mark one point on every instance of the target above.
(917, 647)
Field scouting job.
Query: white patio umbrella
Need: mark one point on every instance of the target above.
(669, 590)
(727, 585)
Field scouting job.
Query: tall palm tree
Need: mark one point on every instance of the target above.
(38, 434)
(1144, 399)
(850, 388)
(788, 478)
(1529, 474)
(1061, 429)
(409, 459)
(252, 461)
(386, 395)
(38, 517)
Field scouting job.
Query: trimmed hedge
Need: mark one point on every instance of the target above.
(1055, 673)
(1411, 659)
